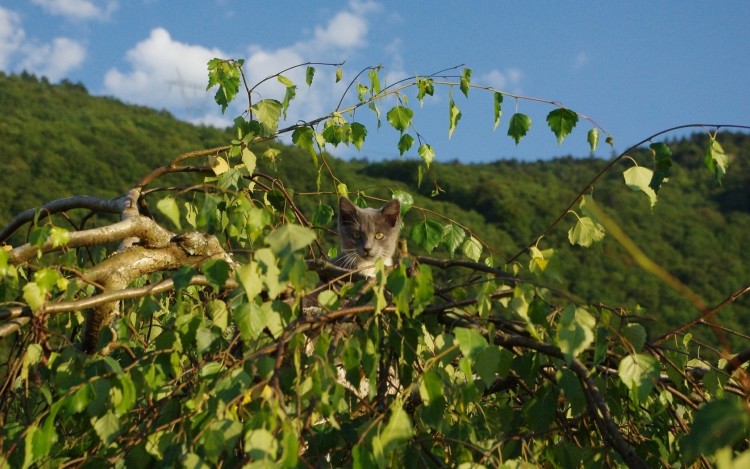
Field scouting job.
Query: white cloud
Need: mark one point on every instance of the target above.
(53, 60)
(78, 9)
(11, 35)
(162, 71)
(508, 80)
(343, 30)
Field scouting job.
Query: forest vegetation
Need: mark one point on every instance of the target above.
(539, 313)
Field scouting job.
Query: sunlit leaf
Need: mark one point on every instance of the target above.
(518, 127)
(576, 332)
(562, 121)
(593, 138)
(454, 115)
(472, 248)
(497, 108)
(639, 373)
(405, 143)
(426, 153)
(289, 238)
(268, 113)
(358, 134)
(453, 237)
(638, 178)
(585, 232)
(405, 199)
(400, 117)
(716, 160)
(107, 427)
(470, 341)
(425, 86)
(339, 74)
(465, 82)
(427, 234)
(249, 160)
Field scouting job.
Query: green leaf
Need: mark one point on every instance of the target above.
(561, 122)
(635, 334)
(339, 74)
(374, 81)
(639, 373)
(465, 81)
(425, 86)
(453, 237)
(303, 138)
(430, 386)
(576, 332)
(405, 199)
(487, 363)
(716, 160)
(260, 444)
(470, 341)
(309, 74)
(226, 74)
(289, 95)
(472, 248)
(107, 427)
(427, 234)
(358, 134)
(168, 206)
(400, 117)
(397, 430)
(322, 215)
(662, 163)
(251, 279)
(498, 108)
(593, 139)
(405, 143)
(249, 160)
(268, 113)
(426, 153)
(216, 272)
(454, 115)
(59, 236)
(610, 140)
(289, 238)
(34, 296)
(518, 127)
(585, 232)
(718, 424)
(638, 178)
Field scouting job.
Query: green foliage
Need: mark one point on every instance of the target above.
(264, 358)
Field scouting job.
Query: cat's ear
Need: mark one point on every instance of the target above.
(391, 211)
(347, 210)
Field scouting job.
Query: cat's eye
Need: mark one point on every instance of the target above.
(356, 234)
(379, 235)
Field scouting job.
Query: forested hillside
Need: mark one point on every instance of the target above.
(57, 141)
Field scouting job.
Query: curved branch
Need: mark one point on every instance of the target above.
(95, 204)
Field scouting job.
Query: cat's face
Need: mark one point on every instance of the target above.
(367, 234)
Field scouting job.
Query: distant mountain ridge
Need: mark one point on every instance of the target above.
(56, 140)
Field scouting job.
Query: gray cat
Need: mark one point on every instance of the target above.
(367, 234)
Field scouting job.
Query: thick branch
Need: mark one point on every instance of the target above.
(146, 229)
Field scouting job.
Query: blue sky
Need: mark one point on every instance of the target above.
(635, 67)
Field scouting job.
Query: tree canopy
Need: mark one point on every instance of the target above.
(573, 312)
